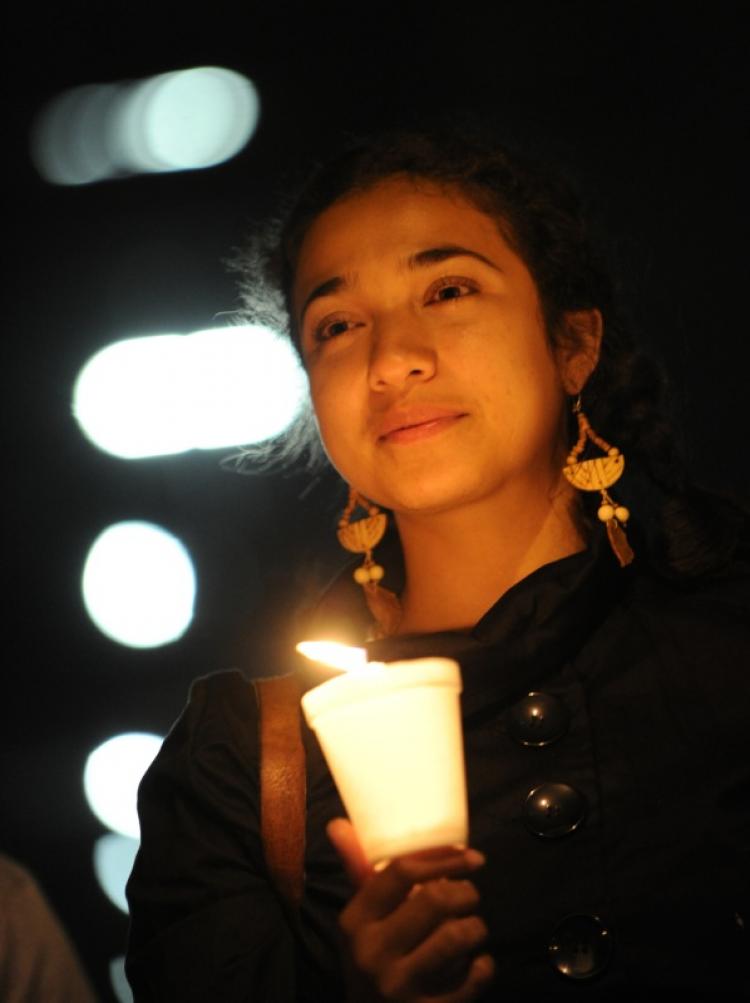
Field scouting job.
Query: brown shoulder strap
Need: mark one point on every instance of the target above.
(282, 784)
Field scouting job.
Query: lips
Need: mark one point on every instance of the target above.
(398, 423)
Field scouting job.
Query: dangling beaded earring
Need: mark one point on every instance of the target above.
(598, 474)
(360, 537)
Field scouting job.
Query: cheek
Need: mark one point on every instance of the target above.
(523, 396)
(336, 417)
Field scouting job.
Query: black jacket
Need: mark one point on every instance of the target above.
(607, 735)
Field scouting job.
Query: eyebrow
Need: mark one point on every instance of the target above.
(421, 259)
(434, 255)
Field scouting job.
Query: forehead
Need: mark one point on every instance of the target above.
(389, 222)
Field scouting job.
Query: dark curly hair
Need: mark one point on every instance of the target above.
(683, 530)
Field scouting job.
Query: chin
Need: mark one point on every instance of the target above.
(431, 495)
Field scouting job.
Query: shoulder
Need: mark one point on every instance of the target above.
(211, 752)
(206, 922)
(679, 639)
(221, 700)
(15, 880)
(38, 959)
(710, 604)
(221, 707)
(692, 643)
(20, 894)
(226, 706)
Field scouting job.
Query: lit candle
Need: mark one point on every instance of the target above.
(333, 654)
(391, 734)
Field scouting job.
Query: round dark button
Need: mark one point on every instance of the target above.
(539, 719)
(554, 810)
(580, 947)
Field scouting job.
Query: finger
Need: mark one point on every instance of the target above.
(429, 905)
(341, 833)
(481, 973)
(386, 889)
(443, 961)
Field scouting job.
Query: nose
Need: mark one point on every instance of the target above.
(401, 352)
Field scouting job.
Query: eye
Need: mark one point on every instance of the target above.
(332, 327)
(450, 288)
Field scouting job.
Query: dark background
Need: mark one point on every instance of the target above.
(645, 104)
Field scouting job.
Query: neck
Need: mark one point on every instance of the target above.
(459, 562)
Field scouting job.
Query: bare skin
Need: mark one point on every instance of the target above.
(411, 932)
(438, 396)
(435, 549)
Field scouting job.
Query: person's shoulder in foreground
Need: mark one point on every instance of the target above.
(37, 959)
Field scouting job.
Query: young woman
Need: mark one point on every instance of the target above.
(468, 375)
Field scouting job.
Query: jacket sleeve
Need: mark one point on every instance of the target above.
(206, 924)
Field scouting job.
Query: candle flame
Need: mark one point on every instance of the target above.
(331, 653)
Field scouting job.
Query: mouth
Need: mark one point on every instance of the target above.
(411, 426)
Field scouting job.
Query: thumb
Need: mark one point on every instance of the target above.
(341, 833)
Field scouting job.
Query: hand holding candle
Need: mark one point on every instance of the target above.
(392, 738)
(411, 930)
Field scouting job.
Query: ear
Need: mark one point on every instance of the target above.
(577, 353)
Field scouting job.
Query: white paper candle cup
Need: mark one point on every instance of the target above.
(392, 737)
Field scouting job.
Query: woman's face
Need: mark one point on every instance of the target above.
(431, 374)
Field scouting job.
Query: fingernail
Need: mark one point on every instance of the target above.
(474, 858)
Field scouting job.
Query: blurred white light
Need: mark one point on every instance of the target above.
(169, 393)
(70, 140)
(113, 861)
(186, 119)
(138, 585)
(119, 980)
(111, 777)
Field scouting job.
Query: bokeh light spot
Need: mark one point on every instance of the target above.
(182, 120)
(111, 777)
(113, 861)
(198, 118)
(169, 393)
(138, 585)
(119, 980)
